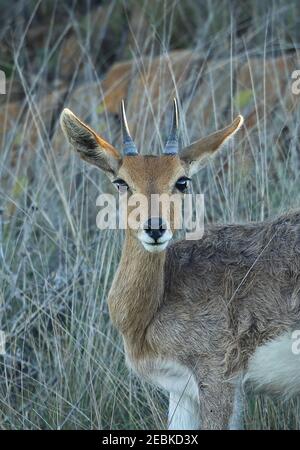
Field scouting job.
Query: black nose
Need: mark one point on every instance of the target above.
(155, 227)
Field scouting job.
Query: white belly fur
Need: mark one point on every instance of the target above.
(275, 367)
(180, 383)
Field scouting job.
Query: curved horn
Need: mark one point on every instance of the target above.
(171, 147)
(129, 147)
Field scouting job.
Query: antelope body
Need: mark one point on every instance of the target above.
(200, 317)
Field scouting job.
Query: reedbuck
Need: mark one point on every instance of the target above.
(198, 318)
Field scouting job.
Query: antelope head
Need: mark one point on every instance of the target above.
(168, 173)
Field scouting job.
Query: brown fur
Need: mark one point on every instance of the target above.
(214, 303)
(205, 304)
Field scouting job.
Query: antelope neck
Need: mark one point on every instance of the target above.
(136, 292)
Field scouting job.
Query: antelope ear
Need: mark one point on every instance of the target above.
(90, 146)
(193, 155)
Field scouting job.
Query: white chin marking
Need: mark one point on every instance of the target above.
(155, 248)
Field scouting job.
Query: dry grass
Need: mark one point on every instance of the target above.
(64, 366)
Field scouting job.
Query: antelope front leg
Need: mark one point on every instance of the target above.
(183, 413)
(237, 417)
(221, 407)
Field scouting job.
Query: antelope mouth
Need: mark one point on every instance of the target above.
(155, 247)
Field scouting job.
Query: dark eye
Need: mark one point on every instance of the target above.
(182, 184)
(121, 184)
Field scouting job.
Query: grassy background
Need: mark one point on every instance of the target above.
(64, 366)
